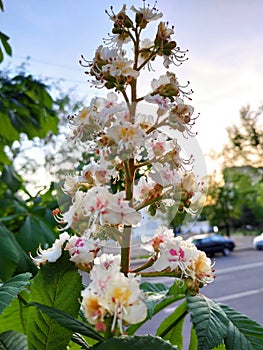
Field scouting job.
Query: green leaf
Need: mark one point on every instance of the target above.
(209, 320)
(7, 131)
(15, 315)
(154, 287)
(193, 340)
(57, 285)
(10, 177)
(12, 340)
(69, 322)
(12, 257)
(220, 347)
(4, 39)
(3, 157)
(10, 289)
(33, 232)
(155, 293)
(178, 288)
(171, 327)
(243, 333)
(9, 254)
(146, 342)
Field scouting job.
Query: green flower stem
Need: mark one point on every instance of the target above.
(123, 91)
(146, 203)
(156, 126)
(152, 55)
(146, 265)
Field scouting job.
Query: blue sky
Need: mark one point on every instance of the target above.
(224, 38)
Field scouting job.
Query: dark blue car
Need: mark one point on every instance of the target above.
(213, 243)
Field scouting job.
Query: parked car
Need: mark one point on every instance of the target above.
(213, 243)
(258, 242)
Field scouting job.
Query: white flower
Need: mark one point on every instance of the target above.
(53, 253)
(71, 184)
(75, 212)
(105, 54)
(142, 189)
(164, 175)
(121, 66)
(92, 309)
(175, 254)
(93, 119)
(82, 250)
(157, 145)
(104, 268)
(127, 137)
(162, 102)
(201, 269)
(162, 235)
(108, 262)
(148, 14)
(110, 208)
(124, 300)
(162, 81)
(111, 293)
(145, 121)
(98, 173)
(180, 117)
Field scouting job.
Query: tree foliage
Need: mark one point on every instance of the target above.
(245, 145)
(26, 107)
(4, 40)
(237, 200)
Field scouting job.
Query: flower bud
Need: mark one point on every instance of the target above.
(139, 18)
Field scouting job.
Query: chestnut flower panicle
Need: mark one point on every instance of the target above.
(135, 163)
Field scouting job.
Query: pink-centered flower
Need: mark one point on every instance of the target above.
(163, 175)
(162, 235)
(82, 250)
(174, 256)
(109, 208)
(181, 256)
(98, 206)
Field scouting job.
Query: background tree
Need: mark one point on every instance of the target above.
(4, 44)
(30, 118)
(236, 201)
(245, 146)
